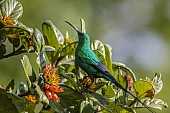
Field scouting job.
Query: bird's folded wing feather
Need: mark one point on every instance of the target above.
(96, 63)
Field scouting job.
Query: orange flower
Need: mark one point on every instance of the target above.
(50, 76)
(50, 91)
(47, 69)
(51, 85)
(48, 94)
(55, 97)
(53, 88)
(8, 21)
(87, 84)
(32, 99)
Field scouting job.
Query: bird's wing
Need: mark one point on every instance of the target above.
(93, 61)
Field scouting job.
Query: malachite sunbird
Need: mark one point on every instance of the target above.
(88, 61)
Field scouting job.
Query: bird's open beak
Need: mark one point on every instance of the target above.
(73, 27)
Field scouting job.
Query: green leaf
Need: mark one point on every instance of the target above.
(11, 8)
(98, 45)
(67, 64)
(22, 88)
(27, 69)
(52, 33)
(2, 40)
(157, 103)
(88, 109)
(6, 104)
(157, 82)
(102, 99)
(83, 27)
(108, 57)
(71, 81)
(21, 103)
(123, 81)
(56, 106)
(10, 86)
(69, 105)
(70, 94)
(53, 37)
(99, 85)
(42, 97)
(99, 99)
(144, 89)
(109, 92)
(119, 77)
(117, 109)
(39, 41)
(123, 67)
(49, 48)
(1, 1)
(40, 45)
(46, 111)
(14, 41)
(68, 50)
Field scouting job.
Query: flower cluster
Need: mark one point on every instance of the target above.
(130, 82)
(32, 99)
(51, 85)
(87, 84)
(8, 22)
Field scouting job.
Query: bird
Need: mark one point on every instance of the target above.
(88, 61)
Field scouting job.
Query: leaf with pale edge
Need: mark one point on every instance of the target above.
(56, 106)
(144, 89)
(53, 37)
(27, 69)
(6, 104)
(108, 57)
(70, 94)
(157, 82)
(40, 45)
(11, 8)
(10, 86)
(98, 99)
(88, 109)
(83, 27)
(98, 45)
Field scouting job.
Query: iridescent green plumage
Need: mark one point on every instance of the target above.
(87, 60)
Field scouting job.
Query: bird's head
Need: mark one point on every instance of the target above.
(83, 37)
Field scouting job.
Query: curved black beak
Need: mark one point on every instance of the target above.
(74, 27)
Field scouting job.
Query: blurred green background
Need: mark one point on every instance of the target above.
(137, 30)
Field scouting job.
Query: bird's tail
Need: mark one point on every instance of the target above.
(112, 79)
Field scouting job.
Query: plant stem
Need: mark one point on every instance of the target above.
(17, 52)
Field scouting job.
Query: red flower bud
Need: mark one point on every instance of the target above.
(52, 71)
(47, 69)
(129, 78)
(55, 97)
(46, 86)
(55, 88)
(48, 94)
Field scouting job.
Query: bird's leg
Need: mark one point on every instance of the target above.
(88, 84)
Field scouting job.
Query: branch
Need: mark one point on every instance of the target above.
(17, 52)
